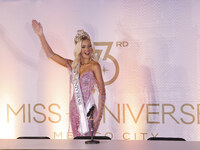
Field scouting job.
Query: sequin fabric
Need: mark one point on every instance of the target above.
(87, 81)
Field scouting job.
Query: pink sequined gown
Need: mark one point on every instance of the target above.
(87, 81)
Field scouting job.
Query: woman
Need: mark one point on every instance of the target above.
(86, 72)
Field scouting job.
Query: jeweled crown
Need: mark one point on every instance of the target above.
(80, 35)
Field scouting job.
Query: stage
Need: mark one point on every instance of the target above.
(104, 145)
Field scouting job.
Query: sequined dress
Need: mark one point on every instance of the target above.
(87, 81)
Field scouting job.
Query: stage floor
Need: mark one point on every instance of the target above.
(104, 145)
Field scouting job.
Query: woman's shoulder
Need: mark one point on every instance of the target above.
(95, 65)
(69, 61)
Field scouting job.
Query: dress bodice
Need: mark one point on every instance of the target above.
(87, 82)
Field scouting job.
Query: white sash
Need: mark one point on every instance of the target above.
(83, 123)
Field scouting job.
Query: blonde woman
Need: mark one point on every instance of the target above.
(86, 72)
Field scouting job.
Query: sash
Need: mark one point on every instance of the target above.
(83, 123)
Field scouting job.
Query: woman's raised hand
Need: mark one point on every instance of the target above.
(37, 27)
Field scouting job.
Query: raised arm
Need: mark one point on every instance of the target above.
(102, 93)
(37, 27)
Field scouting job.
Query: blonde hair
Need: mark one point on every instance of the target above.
(79, 38)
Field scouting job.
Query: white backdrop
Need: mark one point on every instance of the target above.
(150, 63)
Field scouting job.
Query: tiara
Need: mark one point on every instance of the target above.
(80, 35)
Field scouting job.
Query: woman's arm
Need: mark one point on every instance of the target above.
(102, 93)
(37, 27)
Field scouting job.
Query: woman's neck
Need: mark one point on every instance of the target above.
(85, 61)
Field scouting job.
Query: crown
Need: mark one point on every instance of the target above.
(80, 35)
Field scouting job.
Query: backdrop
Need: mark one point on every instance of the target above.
(148, 51)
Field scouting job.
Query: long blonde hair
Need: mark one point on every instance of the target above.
(77, 51)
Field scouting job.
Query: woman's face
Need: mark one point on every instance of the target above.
(86, 49)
